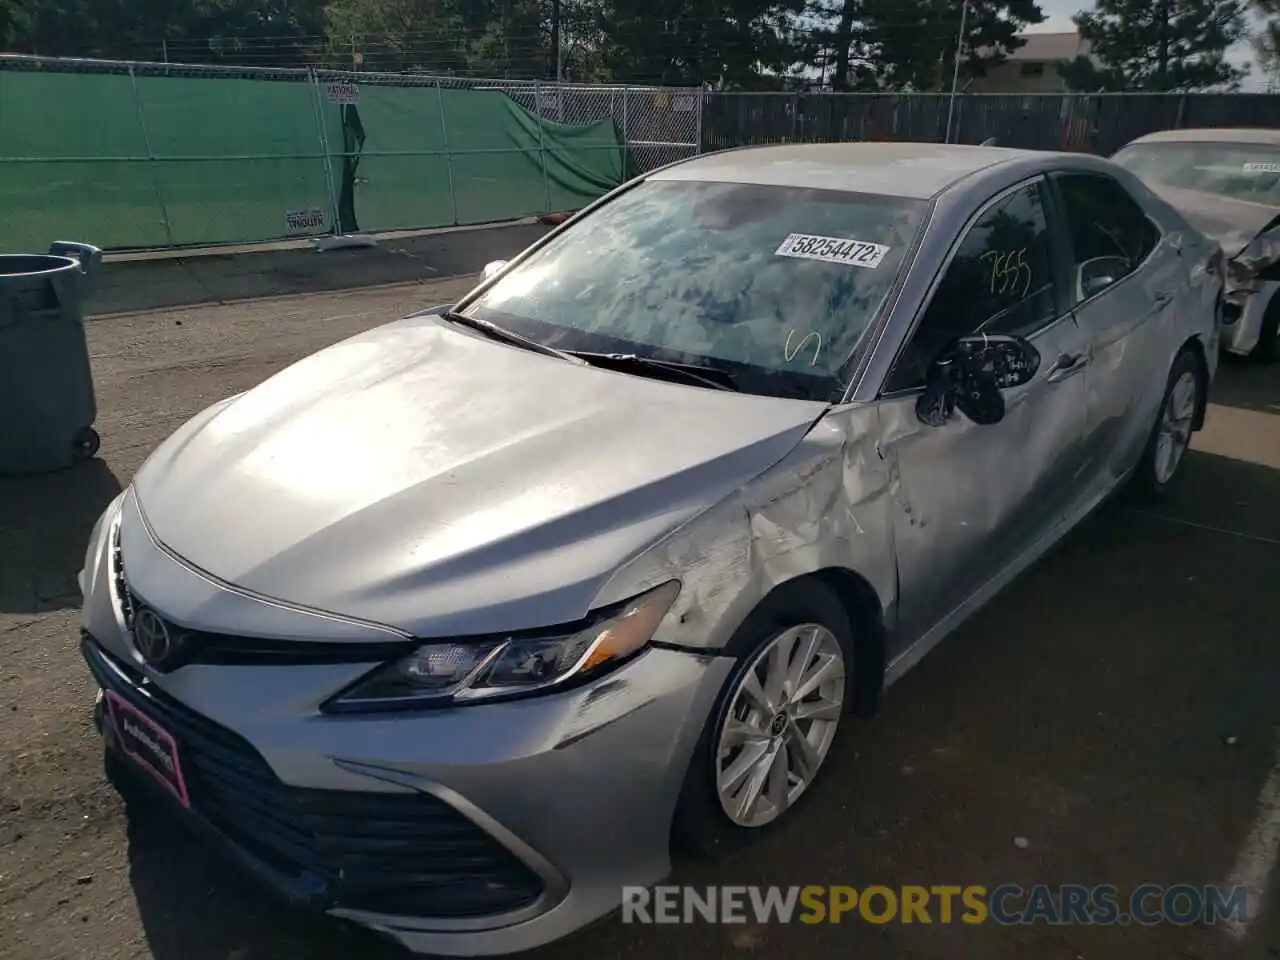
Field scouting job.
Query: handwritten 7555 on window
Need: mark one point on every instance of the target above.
(854, 253)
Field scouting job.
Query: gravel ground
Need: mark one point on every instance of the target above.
(1114, 712)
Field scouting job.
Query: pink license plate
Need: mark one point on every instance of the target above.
(150, 745)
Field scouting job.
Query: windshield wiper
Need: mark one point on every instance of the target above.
(502, 334)
(630, 363)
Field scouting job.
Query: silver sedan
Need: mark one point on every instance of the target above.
(451, 628)
(1227, 184)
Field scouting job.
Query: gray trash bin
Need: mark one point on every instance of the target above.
(47, 403)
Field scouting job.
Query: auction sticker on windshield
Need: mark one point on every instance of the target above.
(1266, 166)
(855, 253)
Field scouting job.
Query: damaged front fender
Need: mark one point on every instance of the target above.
(1256, 256)
(824, 506)
(1251, 283)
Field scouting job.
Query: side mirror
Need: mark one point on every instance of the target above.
(492, 267)
(1095, 283)
(1094, 276)
(970, 375)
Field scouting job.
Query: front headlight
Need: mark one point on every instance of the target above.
(469, 671)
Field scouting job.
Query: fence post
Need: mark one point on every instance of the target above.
(448, 154)
(542, 147)
(146, 145)
(322, 132)
(698, 123)
(626, 139)
(795, 115)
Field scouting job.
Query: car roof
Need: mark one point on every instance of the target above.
(1209, 135)
(911, 170)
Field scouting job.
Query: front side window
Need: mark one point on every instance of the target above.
(1244, 171)
(999, 281)
(1111, 235)
(775, 286)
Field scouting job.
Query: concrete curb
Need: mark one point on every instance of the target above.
(136, 283)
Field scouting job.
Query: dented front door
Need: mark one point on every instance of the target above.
(970, 500)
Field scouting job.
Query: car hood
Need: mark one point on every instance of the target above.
(1233, 223)
(427, 478)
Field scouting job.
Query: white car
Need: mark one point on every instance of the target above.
(1227, 184)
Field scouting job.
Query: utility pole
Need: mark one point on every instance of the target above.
(955, 71)
(555, 38)
(1162, 65)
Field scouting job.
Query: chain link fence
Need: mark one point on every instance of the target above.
(145, 155)
(138, 155)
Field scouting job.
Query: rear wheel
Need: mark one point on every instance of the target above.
(1171, 435)
(774, 724)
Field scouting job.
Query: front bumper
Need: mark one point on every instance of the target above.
(412, 857)
(1244, 316)
(481, 830)
(404, 852)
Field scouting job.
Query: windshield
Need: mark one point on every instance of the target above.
(1240, 171)
(773, 285)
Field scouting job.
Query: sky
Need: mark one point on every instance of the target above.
(1058, 19)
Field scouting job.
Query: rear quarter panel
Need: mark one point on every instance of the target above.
(1198, 307)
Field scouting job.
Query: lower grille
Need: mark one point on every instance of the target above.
(407, 854)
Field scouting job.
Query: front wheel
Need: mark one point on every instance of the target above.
(774, 723)
(1171, 435)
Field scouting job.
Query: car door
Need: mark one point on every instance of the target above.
(1129, 280)
(969, 499)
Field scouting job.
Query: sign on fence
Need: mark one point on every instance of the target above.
(550, 104)
(304, 221)
(344, 92)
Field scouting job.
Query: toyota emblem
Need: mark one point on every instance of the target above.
(151, 636)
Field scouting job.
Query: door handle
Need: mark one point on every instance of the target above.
(1162, 300)
(1067, 365)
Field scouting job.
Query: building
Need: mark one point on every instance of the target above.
(1033, 67)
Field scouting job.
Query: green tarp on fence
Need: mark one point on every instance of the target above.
(489, 147)
(150, 161)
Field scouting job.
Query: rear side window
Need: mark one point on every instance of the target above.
(1105, 221)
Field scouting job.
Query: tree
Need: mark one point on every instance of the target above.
(1266, 40)
(745, 43)
(1157, 45)
(199, 31)
(912, 43)
(468, 37)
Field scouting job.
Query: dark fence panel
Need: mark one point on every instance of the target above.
(1088, 123)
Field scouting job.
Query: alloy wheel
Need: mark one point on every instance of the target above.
(1175, 426)
(780, 724)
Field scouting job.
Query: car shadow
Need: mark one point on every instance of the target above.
(1247, 384)
(195, 904)
(44, 530)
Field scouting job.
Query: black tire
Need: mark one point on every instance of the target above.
(1268, 348)
(87, 443)
(1148, 482)
(701, 827)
